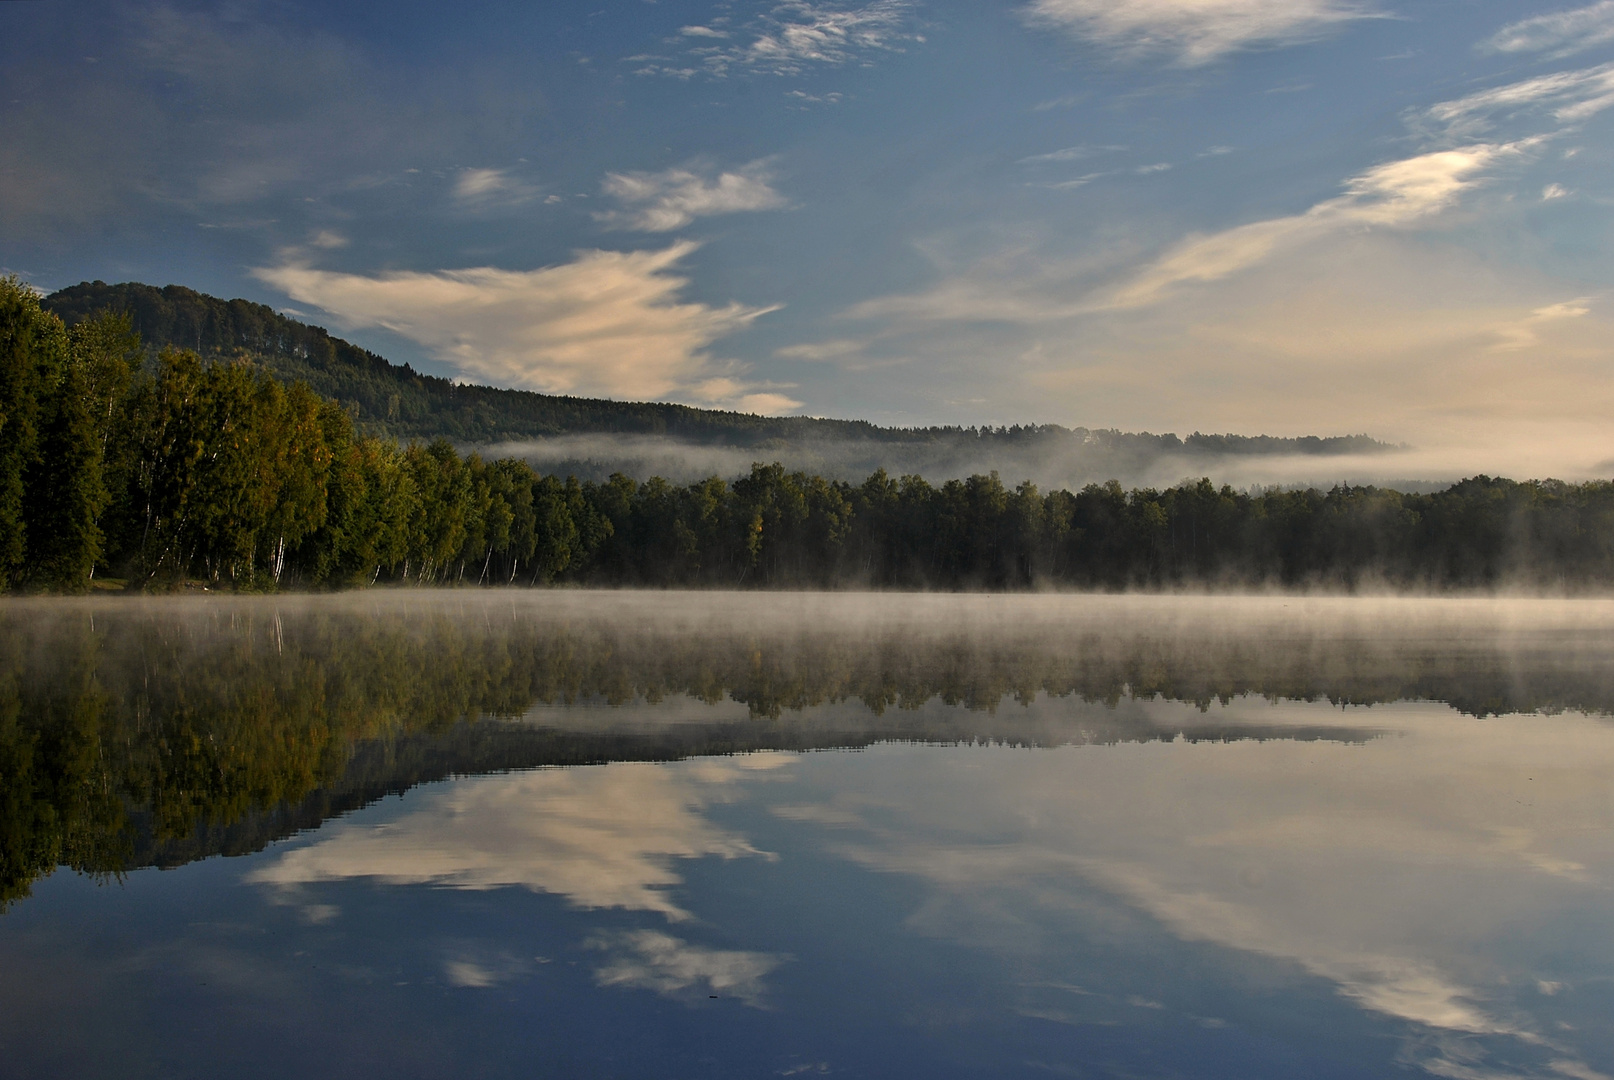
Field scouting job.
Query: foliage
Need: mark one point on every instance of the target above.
(189, 470)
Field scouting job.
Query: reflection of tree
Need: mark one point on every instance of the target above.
(58, 803)
(138, 735)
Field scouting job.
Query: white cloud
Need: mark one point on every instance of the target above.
(1197, 31)
(1553, 191)
(652, 960)
(822, 350)
(1069, 153)
(1523, 333)
(765, 403)
(1394, 194)
(1562, 32)
(792, 37)
(602, 837)
(485, 188)
(606, 323)
(1572, 96)
(663, 201)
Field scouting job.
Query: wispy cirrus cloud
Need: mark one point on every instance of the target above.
(1560, 32)
(1196, 31)
(671, 199)
(607, 322)
(487, 188)
(791, 38)
(1069, 153)
(1394, 194)
(1568, 97)
(1397, 193)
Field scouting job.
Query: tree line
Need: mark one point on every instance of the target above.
(166, 470)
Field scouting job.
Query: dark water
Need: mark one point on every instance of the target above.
(670, 835)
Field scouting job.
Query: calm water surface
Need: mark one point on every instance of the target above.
(671, 835)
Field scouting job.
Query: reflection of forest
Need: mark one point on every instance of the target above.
(137, 734)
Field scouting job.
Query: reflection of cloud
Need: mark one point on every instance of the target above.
(601, 837)
(651, 960)
(663, 201)
(1346, 861)
(469, 973)
(832, 816)
(605, 323)
(1384, 983)
(1198, 31)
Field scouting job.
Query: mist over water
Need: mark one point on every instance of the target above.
(1064, 462)
(619, 831)
(1049, 463)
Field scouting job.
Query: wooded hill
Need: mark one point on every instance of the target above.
(161, 472)
(396, 401)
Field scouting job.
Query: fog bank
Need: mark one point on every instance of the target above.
(1049, 462)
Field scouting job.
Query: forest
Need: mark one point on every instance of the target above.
(168, 471)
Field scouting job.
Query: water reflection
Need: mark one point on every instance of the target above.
(602, 838)
(141, 733)
(1397, 870)
(1129, 836)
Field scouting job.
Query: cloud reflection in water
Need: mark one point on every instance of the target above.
(601, 837)
(1396, 869)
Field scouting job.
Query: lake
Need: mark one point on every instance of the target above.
(619, 834)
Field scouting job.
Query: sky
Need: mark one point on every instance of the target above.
(1255, 216)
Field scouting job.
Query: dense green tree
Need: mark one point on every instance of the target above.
(66, 495)
(33, 358)
(185, 469)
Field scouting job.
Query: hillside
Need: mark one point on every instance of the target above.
(395, 400)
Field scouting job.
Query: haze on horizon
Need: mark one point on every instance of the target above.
(1258, 216)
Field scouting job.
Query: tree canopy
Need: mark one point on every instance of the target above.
(171, 469)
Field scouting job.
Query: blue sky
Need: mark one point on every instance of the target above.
(1283, 216)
